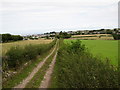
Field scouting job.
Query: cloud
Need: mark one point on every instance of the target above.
(39, 16)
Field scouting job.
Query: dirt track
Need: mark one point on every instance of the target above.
(35, 70)
(47, 77)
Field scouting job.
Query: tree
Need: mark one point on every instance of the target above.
(116, 35)
(63, 35)
(47, 37)
(6, 37)
(9, 37)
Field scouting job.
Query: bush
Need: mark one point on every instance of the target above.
(116, 36)
(9, 37)
(16, 56)
(63, 35)
(76, 68)
(76, 47)
(30, 52)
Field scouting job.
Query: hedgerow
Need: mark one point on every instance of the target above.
(17, 55)
(77, 68)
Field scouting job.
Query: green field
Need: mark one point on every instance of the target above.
(102, 49)
(82, 69)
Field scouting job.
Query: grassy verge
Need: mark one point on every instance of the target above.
(38, 77)
(77, 68)
(16, 79)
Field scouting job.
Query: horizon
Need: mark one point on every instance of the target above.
(57, 31)
(38, 16)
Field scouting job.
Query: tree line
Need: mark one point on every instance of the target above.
(116, 34)
(63, 35)
(9, 37)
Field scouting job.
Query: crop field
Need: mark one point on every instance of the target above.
(7, 46)
(94, 37)
(102, 49)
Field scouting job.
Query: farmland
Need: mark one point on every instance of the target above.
(77, 68)
(73, 61)
(94, 37)
(102, 49)
(23, 61)
(7, 46)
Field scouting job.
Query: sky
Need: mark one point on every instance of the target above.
(41, 16)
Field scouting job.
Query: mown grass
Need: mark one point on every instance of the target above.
(23, 73)
(102, 49)
(77, 68)
(38, 77)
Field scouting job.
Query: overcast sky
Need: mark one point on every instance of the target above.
(40, 16)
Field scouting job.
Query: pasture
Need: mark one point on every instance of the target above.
(7, 46)
(102, 49)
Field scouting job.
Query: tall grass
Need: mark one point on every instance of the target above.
(7, 46)
(76, 68)
(21, 74)
(17, 55)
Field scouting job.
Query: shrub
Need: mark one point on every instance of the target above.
(116, 36)
(30, 52)
(9, 37)
(17, 55)
(76, 68)
(76, 47)
(63, 35)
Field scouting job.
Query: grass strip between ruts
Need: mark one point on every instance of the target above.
(16, 79)
(38, 77)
